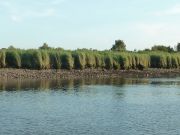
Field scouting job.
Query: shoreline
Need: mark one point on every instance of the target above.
(8, 73)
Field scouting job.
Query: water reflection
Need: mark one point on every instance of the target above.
(165, 81)
(67, 84)
(77, 84)
(90, 106)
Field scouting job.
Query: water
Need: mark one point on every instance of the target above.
(91, 106)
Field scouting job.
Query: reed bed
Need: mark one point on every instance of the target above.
(82, 59)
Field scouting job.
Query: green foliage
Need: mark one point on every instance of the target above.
(81, 59)
(119, 46)
(13, 59)
(27, 59)
(124, 61)
(45, 46)
(99, 61)
(116, 62)
(32, 59)
(67, 61)
(158, 60)
(142, 61)
(45, 60)
(55, 59)
(90, 60)
(175, 61)
(178, 47)
(37, 60)
(11, 47)
(108, 61)
(162, 48)
(2, 59)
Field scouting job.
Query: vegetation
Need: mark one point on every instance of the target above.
(2, 59)
(117, 58)
(119, 46)
(162, 48)
(45, 46)
(178, 47)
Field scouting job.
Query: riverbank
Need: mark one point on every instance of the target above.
(86, 73)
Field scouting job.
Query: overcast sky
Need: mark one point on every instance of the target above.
(94, 24)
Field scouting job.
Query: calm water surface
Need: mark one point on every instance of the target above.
(97, 107)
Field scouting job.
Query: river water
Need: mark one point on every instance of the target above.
(90, 107)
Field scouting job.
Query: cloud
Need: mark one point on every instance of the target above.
(21, 16)
(19, 11)
(55, 2)
(165, 33)
(174, 10)
(152, 29)
(42, 13)
(16, 18)
(48, 2)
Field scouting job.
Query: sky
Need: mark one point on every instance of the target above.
(96, 24)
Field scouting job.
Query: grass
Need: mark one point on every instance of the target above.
(67, 61)
(81, 59)
(2, 59)
(13, 59)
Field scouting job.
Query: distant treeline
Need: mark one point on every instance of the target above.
(81, 59)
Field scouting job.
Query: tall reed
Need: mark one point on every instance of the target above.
(81, 59)
(13, 59)
(67, 61)
(2, 59)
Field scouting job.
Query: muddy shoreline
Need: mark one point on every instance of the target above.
(87, 73)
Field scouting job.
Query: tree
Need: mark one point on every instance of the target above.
(11, 47)
(162, 48)
(119, 46)
(178, 47)
(146, 50)
(45, 46)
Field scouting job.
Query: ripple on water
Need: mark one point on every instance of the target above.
(125, 106)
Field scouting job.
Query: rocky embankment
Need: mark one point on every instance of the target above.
(87, 73)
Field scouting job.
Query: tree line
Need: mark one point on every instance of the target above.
(121, 46)
(117, 58)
